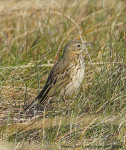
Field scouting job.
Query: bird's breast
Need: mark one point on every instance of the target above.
(75, 80)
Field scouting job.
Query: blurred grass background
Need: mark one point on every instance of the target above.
(31, 32)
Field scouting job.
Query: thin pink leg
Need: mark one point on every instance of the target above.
(65, 101)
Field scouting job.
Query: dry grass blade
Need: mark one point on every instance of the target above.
(32, 37)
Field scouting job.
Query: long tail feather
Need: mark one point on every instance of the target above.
(36, 101)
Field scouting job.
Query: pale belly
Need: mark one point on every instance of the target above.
(76, 80)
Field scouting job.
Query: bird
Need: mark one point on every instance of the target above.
(66, 76)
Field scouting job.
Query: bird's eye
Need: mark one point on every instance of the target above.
(78, 45)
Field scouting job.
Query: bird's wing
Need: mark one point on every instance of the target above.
(57, 79)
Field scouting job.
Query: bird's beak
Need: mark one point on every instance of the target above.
(86, 44)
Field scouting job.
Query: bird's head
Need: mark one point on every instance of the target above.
(73, 48)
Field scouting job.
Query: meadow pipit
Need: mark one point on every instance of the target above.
(66, 76)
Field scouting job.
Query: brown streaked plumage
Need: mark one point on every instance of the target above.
(66, 76)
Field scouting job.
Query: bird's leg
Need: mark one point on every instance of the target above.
(65, 100)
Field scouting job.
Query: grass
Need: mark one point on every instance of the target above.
(31, 34)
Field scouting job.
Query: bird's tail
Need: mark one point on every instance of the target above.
(36, 101)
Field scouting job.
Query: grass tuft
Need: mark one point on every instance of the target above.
(31, 36)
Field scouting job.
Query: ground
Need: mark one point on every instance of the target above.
(32, 36)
